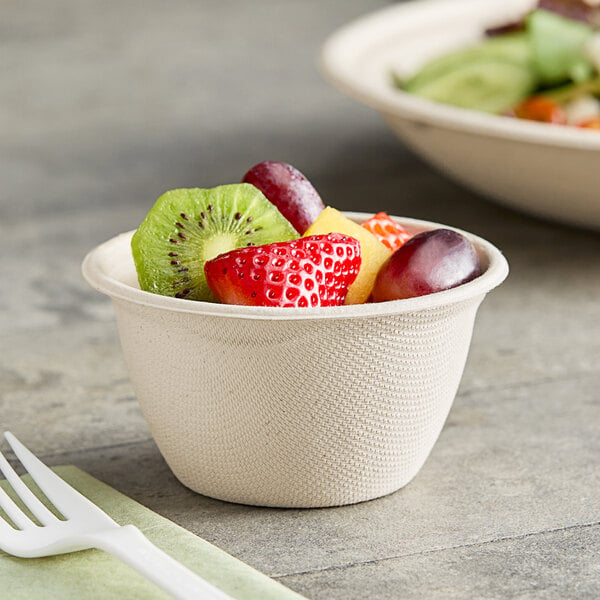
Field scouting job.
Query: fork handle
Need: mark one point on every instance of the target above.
(130, 545)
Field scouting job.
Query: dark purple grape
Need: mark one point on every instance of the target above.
(289, 190)
(578, 10)
(431, 261)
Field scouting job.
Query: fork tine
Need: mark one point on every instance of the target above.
(14, 513)
(65, 498)
(27, 496)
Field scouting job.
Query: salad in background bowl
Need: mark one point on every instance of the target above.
(544, 67)
(533, 166)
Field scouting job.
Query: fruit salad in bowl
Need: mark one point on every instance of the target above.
(271, 241)
(284, 352)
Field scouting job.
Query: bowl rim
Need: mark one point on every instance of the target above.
(97, 263)
(359, 37)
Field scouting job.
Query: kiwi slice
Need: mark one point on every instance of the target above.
(187, 227)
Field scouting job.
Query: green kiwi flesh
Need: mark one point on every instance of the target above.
(187, 227)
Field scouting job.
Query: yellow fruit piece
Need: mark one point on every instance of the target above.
(373, 252)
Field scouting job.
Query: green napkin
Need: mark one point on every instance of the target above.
(93, 574)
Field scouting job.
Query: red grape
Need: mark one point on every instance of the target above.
(429, 262)
(289, 190)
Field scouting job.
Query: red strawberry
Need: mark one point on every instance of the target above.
(311, 271)
(387, 231)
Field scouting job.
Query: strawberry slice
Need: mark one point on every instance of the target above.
(387, 231)
(316, 270)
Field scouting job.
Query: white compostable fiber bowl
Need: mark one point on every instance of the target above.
(546, 170)
(293, 407)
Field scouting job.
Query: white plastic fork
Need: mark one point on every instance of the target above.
(85, 526)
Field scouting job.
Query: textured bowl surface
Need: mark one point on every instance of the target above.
(285, 407)
(543, 169)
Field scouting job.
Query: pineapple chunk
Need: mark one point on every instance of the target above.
(373, 252)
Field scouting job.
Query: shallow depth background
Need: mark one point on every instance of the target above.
(104, 106)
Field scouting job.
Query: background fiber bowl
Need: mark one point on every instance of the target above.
(293, 407)
(543, 169)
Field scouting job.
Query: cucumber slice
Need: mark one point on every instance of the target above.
(513, 48)
(483, 84)
(558, 47)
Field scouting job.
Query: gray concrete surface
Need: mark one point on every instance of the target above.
(104, 105)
